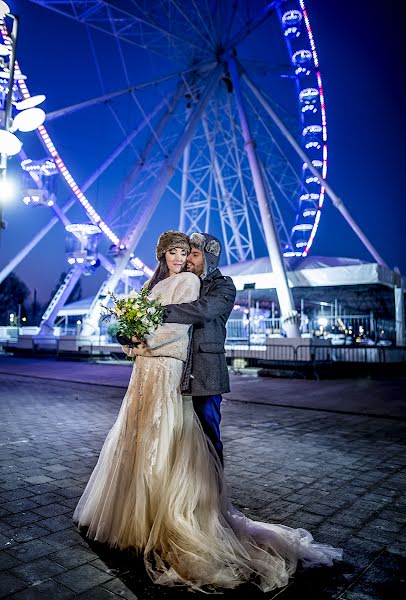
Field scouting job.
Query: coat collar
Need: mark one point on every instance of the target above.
(213, 275)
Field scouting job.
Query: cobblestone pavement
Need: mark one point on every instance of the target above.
(335, 472)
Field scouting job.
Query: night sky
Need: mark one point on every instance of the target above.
(360, 61)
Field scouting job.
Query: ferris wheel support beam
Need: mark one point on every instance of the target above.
(136, 229)
(272, 240)
(337, 202)
(155, 133)
(184, 186)
(62, 112)
(225, 195)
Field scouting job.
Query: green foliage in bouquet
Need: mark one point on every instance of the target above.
(113, 328)
(136, 314)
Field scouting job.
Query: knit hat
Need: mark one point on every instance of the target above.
(172, 239)
(210, 247)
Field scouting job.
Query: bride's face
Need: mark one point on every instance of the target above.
(175, 260)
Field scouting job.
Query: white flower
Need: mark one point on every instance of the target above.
(119, 312)
(132, 294)
(151, 310)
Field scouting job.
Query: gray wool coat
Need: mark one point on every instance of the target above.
(206, 369)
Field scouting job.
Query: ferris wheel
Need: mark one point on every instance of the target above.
(219, 119)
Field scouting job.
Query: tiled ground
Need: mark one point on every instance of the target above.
(338, 474)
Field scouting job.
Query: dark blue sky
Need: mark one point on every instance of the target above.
(360, 61)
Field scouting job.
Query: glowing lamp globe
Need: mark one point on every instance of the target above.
(29, 119)
(30, 102)
(9, 143)
(7, 189)
(4, 9)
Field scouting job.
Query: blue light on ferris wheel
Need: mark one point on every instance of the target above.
(312, 129)
(292, 17)
(302, 227)
(309, 108)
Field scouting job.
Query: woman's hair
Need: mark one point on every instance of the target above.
(161, 272)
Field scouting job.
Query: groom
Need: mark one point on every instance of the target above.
(206, 374)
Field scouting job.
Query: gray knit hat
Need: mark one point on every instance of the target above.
(210, 247)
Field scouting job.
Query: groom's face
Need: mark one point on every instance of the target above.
(194, 263)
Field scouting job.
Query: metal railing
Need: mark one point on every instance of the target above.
(287, 354)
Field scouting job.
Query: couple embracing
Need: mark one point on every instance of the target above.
(159, 486)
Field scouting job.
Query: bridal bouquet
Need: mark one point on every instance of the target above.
(136, 314)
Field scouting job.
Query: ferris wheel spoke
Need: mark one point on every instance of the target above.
(263, 16)
(207, 23)
(189, 21)
(149, 146)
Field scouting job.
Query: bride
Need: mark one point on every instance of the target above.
(158, 486)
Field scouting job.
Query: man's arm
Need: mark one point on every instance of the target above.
(218, 301)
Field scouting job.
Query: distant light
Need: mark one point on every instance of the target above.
(322, 322)
(9, 143)
(80, 260)
(84, 228)
(30, 102)
(29, 119)
(24, 319)
(27, 200)
(4, 9)
(50, 202)
(133, 272)
(79, 322)
(7, 189)
(71, 260)
(35, 198)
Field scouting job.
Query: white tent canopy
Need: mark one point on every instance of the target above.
(314, 271)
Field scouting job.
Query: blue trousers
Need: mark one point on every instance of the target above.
(207, 409)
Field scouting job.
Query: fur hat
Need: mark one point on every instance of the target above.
(210, 247)
(172, 239)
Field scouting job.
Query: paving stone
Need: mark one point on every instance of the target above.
(73, 556)
(51, 510)
(31, 550)
(57, 523)
(26, 533)
(10, 584)
(47, 589)
(37, 570)
(7, 561)
(83, 578)
(38, 479)
(61, 539)
(46, 499)
(98, 593)
(117, 587)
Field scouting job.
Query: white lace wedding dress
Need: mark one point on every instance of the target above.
(159, 488)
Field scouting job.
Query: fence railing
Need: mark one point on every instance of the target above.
(256, 329)
(285, 354)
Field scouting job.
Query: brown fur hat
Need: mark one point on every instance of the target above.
(172, 239)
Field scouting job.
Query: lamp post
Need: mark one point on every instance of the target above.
(5, 113)
(249, 287)
(28, 116)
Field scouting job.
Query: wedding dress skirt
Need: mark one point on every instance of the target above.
(158, 488)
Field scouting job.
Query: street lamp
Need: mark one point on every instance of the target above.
(28, 116)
